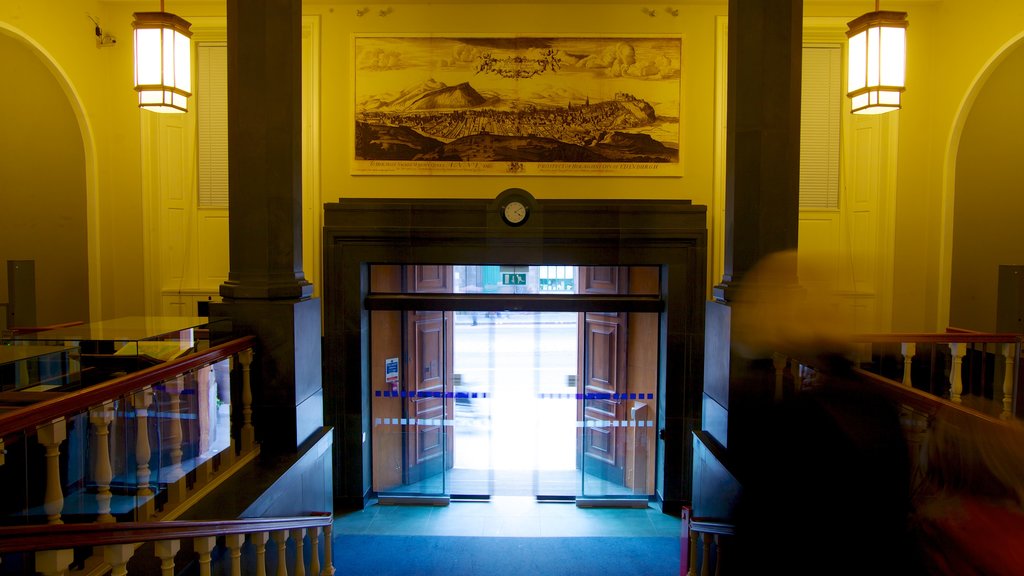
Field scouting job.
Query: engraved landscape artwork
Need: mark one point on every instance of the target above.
(517, 105)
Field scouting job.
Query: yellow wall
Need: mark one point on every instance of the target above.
(42, 188)
(990, 196)
(950, 42)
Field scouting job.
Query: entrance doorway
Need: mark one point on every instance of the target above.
(477, 403)
(365, 324)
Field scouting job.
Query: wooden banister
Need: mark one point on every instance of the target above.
(48, 537)
(43, 412)
(941, 338)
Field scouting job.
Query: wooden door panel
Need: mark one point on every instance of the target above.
(431, 278)
(428, 380)
(604, 383)
(429, 354)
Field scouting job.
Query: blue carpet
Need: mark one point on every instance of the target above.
(473, 556)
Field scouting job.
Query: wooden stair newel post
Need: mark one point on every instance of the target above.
(50, 436)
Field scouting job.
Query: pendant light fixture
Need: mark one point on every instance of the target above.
(877, 64)
(163, 61)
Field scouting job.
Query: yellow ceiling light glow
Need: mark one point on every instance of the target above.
(877, 67)
(163, 61)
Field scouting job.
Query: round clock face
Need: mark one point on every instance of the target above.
(515, 212)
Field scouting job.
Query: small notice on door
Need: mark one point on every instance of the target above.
(391, 374)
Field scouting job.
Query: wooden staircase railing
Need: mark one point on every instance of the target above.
(135, 441)
(930, 423)
(118, 548)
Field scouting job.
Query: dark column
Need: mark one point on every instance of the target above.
(762, 217)
(266, 293)
(762, 178)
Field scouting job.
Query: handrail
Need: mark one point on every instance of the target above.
(49, 410)
(712, 526)
(942, 338)
(924, 402)
(52, 536)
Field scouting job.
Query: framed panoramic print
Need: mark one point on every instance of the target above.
(536, 105)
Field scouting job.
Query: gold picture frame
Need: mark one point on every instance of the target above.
(531, 105)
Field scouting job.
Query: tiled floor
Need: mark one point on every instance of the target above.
(512, 516)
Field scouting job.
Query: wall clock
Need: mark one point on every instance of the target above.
(515, 212)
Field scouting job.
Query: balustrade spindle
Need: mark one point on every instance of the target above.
(118, 555)
(3, 452)
(54, 562)
(50, 436)
(280, 538)
(1010, 353)
(259, 542)
(142, 400)
(328, 568)
(176, 486)
(165, 551)
(314, 551)
(204, 546)
(298, 534)
(100, 419)
(959, 350)
(909, 350)
(694, 536)
(234, 544)
(248, 432)
(705, 561)
(779, 362)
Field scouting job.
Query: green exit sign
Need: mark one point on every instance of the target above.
(513, 278)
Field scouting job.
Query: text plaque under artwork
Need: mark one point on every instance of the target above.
(539, 105)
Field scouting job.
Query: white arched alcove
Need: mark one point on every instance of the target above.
(62, 177)
(979, 233)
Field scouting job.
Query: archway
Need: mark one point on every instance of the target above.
(44, 180)
(987, 176)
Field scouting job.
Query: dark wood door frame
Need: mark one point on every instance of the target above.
(671, 234)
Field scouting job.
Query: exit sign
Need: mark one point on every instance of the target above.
(513, 278)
